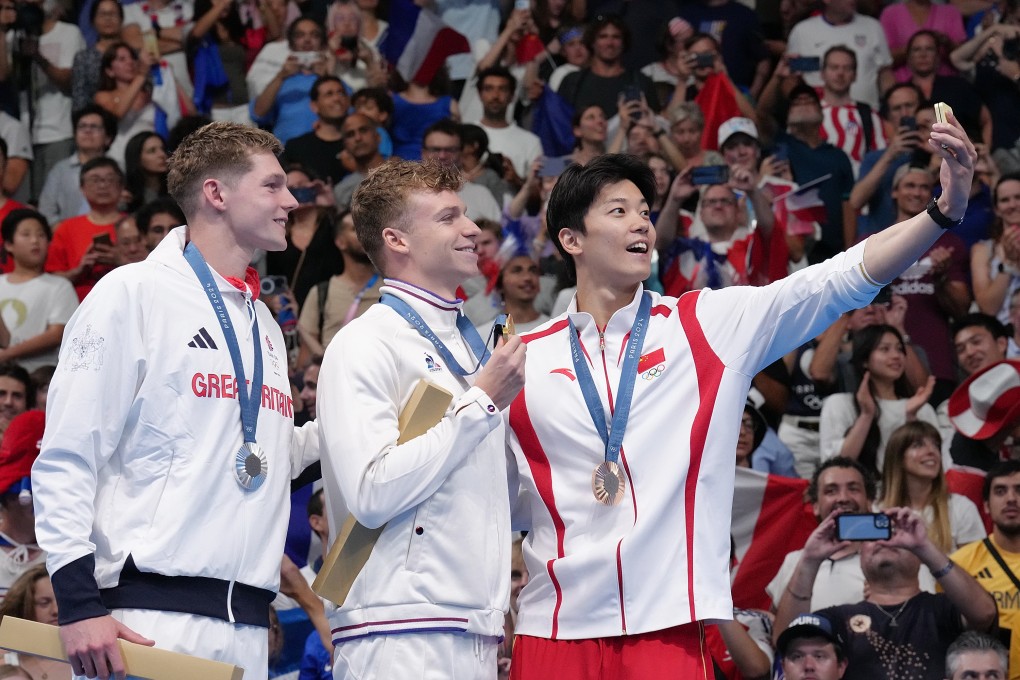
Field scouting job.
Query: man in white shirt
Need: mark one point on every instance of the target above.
(496, 87)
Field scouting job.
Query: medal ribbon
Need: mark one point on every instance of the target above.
(467, 331)
(625, 390)
(250, 402)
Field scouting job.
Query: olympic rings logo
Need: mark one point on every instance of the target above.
(653, 373)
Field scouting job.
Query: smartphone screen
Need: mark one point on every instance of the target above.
(805, 64)
(102, 239)
(909, 122)
(782, 152)
(553, 166)
(863, 527)
(710, 174)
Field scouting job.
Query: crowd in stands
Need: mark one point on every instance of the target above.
(779, 133)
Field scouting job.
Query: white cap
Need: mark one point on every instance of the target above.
(735, 125)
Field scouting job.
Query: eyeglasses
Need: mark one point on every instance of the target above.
(99, 180)
(89, 127)
(717, 202)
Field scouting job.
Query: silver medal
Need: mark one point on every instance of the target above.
(251, 466)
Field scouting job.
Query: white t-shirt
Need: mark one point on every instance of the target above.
(17, 136)
(517, 144)
(52, 107)
(864, 35)
(838, 581)
(29, 308)
(180, 13)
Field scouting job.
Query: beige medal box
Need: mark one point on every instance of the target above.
(354, 542)
(42, 639)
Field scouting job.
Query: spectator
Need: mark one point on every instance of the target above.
(590, 128)
(309, 392)
(995, 561)
(608, 39)
(979, 340)
(372, 27)
(923, 70)
(518, 146)
(980, 212)
(902, 21)
(7, 204)
(82, 247)
(914, 477)
(986, 415)
(708, 83)
(168, 24)
(838, 485)
(335, 302)
(157, 218)
(1014, 319)
(852, 126)
(31, 598)
(758, 447)
(686, 131)
(15, 393)
(376, 103)
(518, 286)
(16, 135)
(995, 262)
(575, 56)
(130, 245)
(738, 30)
(935, 287)
(810, 649)
(107, 18)
(220, 35)
(898, 630)
(145, 169)
(973, 655)
(873, 189)
(477, 164)
(19, 449)
(62, 197)
(52, 56)
(284, 104)
(356, 61)
(483, 302)
(443, 143)
(667, 71)
(40, 379)
(320, 150)
(361, 144)
(35, 305)
(840, 24)
(415, 108)
(858, 425)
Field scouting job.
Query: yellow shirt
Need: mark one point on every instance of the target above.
(975, 559)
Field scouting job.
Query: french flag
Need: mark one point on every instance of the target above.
(418, 42)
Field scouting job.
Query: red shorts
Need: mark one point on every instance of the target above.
(677, 652)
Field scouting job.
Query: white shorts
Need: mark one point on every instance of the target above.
(244, 646)
(416, 656)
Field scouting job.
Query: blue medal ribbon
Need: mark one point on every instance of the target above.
(625, 390)
(467, 331)
(250, 402)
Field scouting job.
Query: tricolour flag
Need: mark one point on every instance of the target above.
(418, 42)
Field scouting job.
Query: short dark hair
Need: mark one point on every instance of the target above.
(994, 326)
(1001, 469)
(496, 72)
(840, 49)
(476, 135)
(883, 109)
(101, 162)
(16, 217)
(379, 95)
(316, 504)
(292, 29)
(592, 30)
(158, 206)
(322, 80)
(95, 10)
(579, 186)
(445, 126)
(870, 486)
(109, 121)
(9, 369)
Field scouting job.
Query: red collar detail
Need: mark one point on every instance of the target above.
(251, 282)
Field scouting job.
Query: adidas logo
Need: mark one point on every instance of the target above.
(984, 573)
(203, 340)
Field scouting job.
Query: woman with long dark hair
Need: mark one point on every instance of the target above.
(858, 425)
(995, 262)
(145, 169)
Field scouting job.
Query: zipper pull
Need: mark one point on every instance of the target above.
(602, 341)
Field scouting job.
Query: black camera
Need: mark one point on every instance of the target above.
(273, 284)
(1011, 48)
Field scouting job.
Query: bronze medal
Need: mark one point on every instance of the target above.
(607, 483)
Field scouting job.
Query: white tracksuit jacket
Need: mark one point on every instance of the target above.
(660, 558)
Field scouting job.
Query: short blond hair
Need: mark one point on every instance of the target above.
(215, 151)
(382, 199)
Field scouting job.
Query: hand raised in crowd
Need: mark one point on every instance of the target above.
(681, 189)
(773, 167)
(865, 400)
(920, 398)
(503, 376)
(941, 257)
(743, 179)
(905, 139)
(291, 66)
(896, 313)
(823, 542)
(909, 530)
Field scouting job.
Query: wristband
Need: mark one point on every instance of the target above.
(943, 571)
(940, 219)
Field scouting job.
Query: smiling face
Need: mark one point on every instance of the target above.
(256, 205)
(840, 488)
(687, 137)
(912, 192)
(1007, 201)
(888, 360)
(520, 279)
(923, 459)
(976, 348)
(616, 248)
(592, 126)
(608, 44)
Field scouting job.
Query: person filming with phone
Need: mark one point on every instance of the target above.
(897, 631)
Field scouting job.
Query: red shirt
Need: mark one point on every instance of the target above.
(71, 240)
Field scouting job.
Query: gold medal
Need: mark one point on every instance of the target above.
(508, 328)
(607, 483)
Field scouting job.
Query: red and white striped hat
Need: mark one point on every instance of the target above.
(987, 401)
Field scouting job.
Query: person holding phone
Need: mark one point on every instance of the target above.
(898, 630)
(82, 247)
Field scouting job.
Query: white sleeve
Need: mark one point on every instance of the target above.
(838, 415)
(782, 578)
(102, 362)
(360, 396)
(965, 520)
(304, 447)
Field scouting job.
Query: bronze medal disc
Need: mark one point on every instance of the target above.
(607, 483)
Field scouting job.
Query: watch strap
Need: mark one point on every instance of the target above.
(939, 218)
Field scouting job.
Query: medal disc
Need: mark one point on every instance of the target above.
(508, 328)
(607, 483)
(251, 466)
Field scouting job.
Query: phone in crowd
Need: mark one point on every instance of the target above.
(150, 43)
(909, 122)
(805, 64)
(703, 59)
(349, 43)
(710, 174)
(632, 93)
(871, 526)
(522, 4)
(942, 111)
(306, 59)
(782, 152)
(102, 240)
(304, 195)
(553, 166)
(884, 296)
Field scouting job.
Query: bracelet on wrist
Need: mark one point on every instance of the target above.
(943, 571)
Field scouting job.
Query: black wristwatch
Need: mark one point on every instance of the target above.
(940, 219)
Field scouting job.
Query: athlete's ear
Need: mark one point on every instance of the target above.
(571, 241)
(395, 240)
